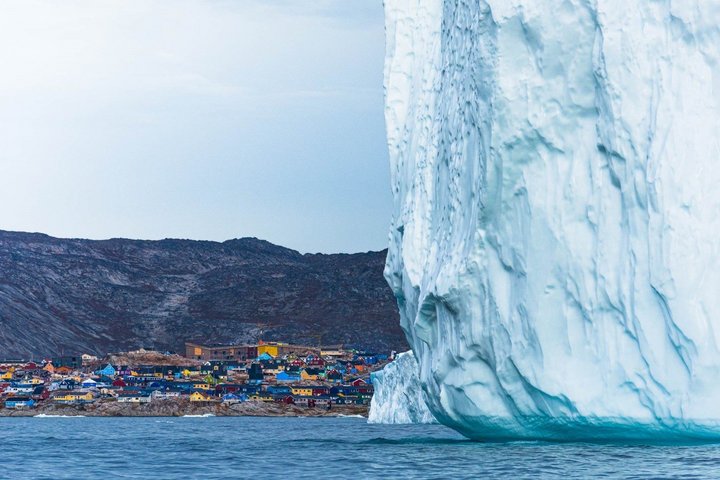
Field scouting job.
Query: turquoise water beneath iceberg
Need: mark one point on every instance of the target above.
(316, 448)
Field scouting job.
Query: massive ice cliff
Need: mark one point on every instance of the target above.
(399, 398)
(555, 250)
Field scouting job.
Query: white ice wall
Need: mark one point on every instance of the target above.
(398, 397)
(555, 248)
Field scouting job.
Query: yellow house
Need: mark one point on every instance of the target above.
(7, 375)
(49, 368)
(261, 398)
(71, 397)
(304, 391)
(271, 350)
(306, 376)
(200, 397)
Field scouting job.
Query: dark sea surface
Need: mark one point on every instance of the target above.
(317, 448)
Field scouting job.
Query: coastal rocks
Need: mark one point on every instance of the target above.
(554, 245)
(398, 397)
(180, 407)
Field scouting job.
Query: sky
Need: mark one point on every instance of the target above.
(201, 119)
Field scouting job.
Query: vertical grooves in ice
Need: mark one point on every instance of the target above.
(555, 248)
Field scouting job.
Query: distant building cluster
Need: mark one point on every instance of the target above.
(265, 372)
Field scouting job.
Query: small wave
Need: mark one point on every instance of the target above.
(204, 415)
(350, 416)
(44, 415)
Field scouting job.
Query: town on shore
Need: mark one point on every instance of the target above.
(263, 379)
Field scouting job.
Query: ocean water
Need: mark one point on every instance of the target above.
(316, 448)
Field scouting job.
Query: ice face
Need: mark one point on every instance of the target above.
(555, 247)
(398, 397)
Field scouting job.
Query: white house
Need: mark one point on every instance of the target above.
(135, 397)
(158, 394)
(89, 383)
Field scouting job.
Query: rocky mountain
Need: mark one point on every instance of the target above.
(75, 296)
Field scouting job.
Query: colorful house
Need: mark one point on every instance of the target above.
(302, 391)
(320, 391)
(237, 388)
(74, 397)
(233, 398)
(200, 397)
(19, 402)
(255, 373)
(108, 371)
(279, 389)
(67, 384)
(334, 376)
(265, 357)
(262, 397)
(135, 397)
(63, 370)
(89, 383)
(311, 374)
(168, 393)
(267, 349)
(287, 377)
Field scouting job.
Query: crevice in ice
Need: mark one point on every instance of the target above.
(683, 345)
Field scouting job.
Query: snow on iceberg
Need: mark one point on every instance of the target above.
(555, 248)
(398, 397)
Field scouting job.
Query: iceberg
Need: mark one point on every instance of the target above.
(555, 248)
(398, 397)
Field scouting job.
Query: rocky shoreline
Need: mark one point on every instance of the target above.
(183, 407)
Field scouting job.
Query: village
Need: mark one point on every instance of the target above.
(267, 378)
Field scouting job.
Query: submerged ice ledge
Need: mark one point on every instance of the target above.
(554, 246)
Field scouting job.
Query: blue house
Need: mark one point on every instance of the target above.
(232, 397)
(279, 390)
(185, 387)
(19, 402)
(265, 357)
(287, 377)
(88, 383)
(108, 371)
(68, 384)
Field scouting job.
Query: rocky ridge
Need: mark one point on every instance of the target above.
(69, 296)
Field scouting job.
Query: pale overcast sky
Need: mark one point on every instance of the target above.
(203, 119)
